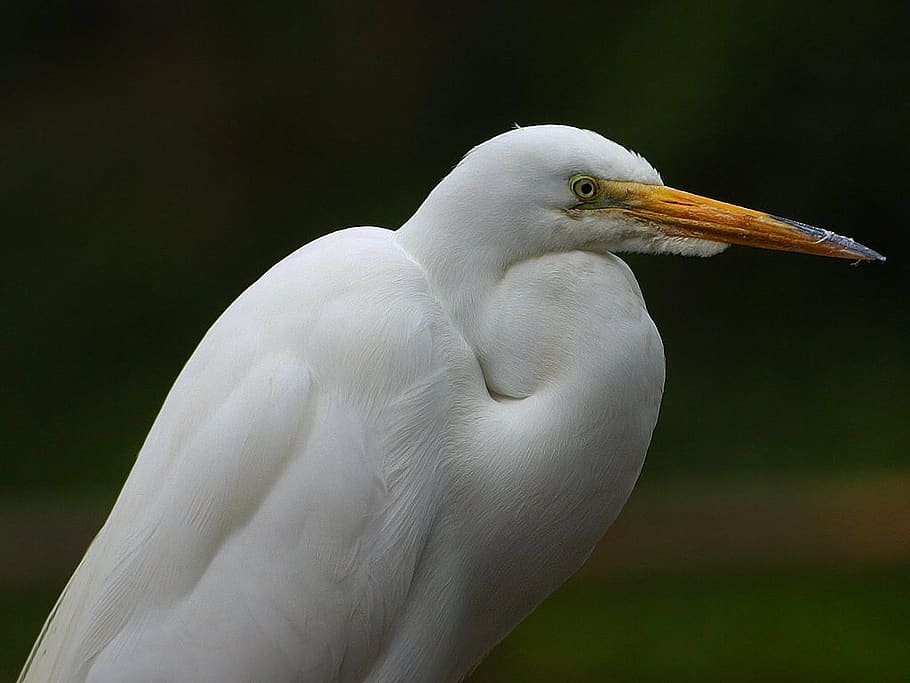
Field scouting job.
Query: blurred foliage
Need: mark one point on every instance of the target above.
(834, 627)
(158, 158)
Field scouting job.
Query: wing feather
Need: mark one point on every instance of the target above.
(276, 512)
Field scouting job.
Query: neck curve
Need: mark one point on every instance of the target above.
(444, 243)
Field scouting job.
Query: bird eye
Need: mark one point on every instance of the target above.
(584, 187)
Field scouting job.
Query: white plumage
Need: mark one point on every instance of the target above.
(390, 448)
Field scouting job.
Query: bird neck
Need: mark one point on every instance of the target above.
(460, 274)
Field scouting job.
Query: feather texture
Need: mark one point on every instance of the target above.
(384, 454)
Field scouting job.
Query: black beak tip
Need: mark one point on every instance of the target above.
(850, 246)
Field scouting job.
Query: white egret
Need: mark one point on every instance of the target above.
(394, 445)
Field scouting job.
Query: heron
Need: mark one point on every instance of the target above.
(395, 444)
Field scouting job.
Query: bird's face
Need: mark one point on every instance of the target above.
(558, 187)
(658, 219)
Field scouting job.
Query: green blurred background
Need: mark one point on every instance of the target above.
(156, 160)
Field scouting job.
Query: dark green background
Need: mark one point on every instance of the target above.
(155, 160)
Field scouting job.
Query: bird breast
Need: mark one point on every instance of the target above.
(562, 320)
(576, 370)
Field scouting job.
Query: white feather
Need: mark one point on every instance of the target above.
(386, 452)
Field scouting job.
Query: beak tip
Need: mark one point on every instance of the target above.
(867, 254)
(849, 247)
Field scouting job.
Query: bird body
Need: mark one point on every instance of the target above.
(297, 489)
(389, 449)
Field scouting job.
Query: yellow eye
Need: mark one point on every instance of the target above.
(584, 186)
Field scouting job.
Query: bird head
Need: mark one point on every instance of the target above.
(550, 187)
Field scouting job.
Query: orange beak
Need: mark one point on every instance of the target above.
(678, 213)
